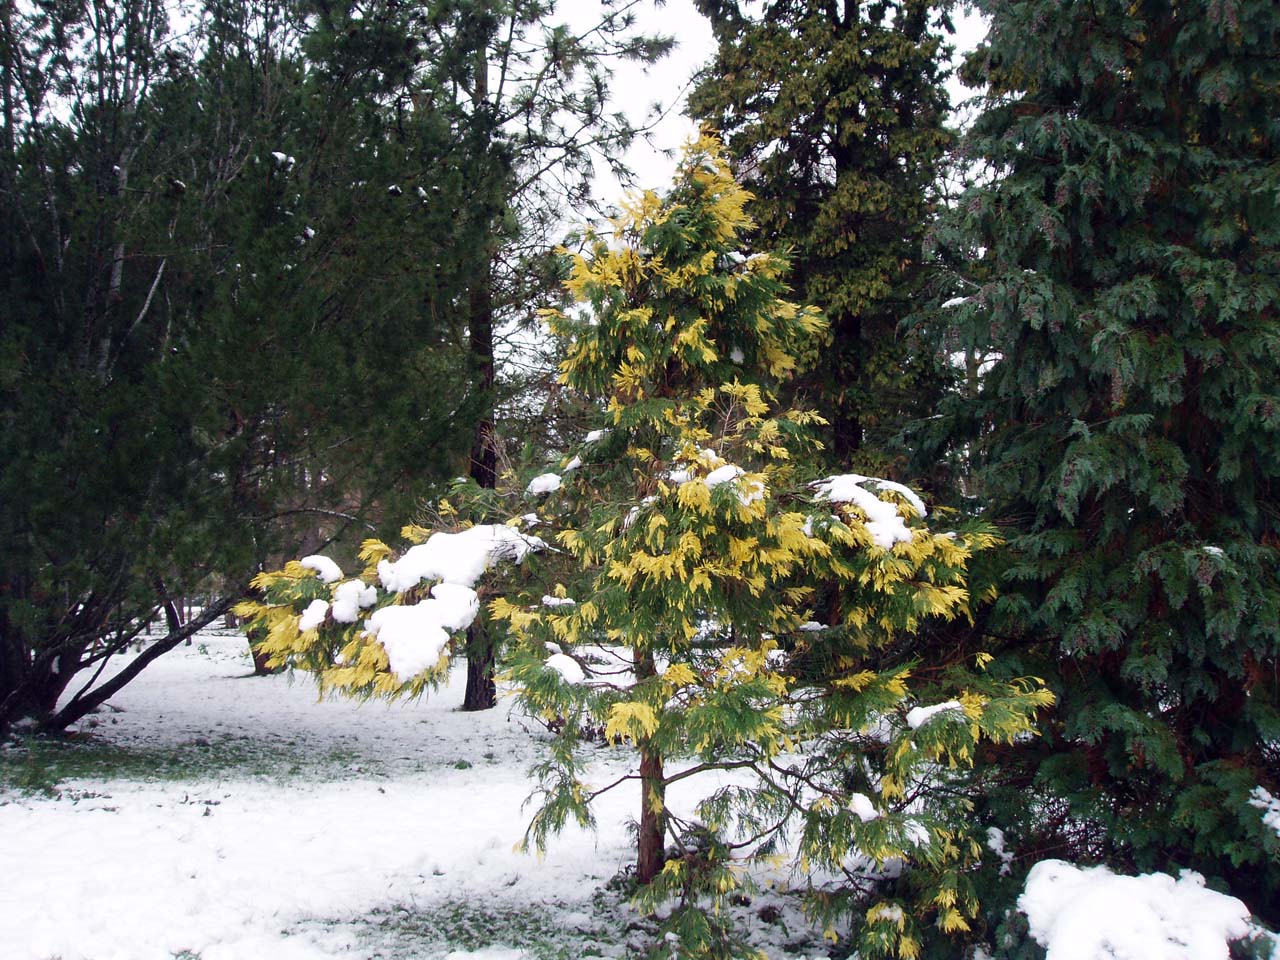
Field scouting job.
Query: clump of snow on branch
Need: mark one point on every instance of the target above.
(996, 844)
(1093, 914)
(568, 668)
(326, 569)
(749, 491)
(459, 558)
(917, 717)
(861, 804)
(458, 605)
(550, 601)
(350, 598)
(884, 523)
(313, 616)
(1269, 805)
(414, 636)
(543, 483)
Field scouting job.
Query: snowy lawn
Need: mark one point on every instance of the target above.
(213, 815)
(220, 816)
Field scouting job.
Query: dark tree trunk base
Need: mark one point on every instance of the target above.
(482, 692)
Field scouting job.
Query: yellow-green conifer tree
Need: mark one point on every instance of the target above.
(687, 546)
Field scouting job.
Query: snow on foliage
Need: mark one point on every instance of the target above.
(749, 491)
(543, 483)
(861, 804)
(457, 557)
(568, 668)
(458, 605)
(327, 570)
(313, 616)
(917, 717)
(996, 844)
(1091, 913)
(415, 635)
(350, 598)
(412, 635)
(884, 523)
(1269, 805)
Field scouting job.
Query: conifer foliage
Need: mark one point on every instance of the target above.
(1130, 255)
(667, 598)
(834, 116)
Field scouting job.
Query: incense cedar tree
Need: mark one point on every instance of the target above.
(833, 115)
(676, 603)
(1128, 256)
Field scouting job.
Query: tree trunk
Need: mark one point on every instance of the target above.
(86, 701)
(481, 693)
(260, 667)
(651, 851)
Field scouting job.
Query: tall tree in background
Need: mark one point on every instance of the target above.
(532, 101)
(1128, 252)
(834, 115)
(220, 341)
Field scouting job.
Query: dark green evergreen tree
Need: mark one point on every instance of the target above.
(225, 330)
(833, 115)
(1126, 264)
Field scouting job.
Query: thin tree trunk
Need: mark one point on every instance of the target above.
(481, 693)
(651, 846)
(88, 701)
(651, 843)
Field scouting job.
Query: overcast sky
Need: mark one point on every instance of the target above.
(635, 89)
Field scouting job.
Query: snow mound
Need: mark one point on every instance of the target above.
(1093, 914)
(458, 558)
(327, 570)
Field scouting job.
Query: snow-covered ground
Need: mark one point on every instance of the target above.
(219, 816)
(255, 822)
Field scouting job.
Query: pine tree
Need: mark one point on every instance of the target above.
(1127, 256)
(221, 340)
(667, 600)
(834, 117)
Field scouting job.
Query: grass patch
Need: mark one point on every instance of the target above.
(541, 931)
(39, 765)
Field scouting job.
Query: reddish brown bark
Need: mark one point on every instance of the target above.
(651, 849)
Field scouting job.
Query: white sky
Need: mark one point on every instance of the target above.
(635, 89)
